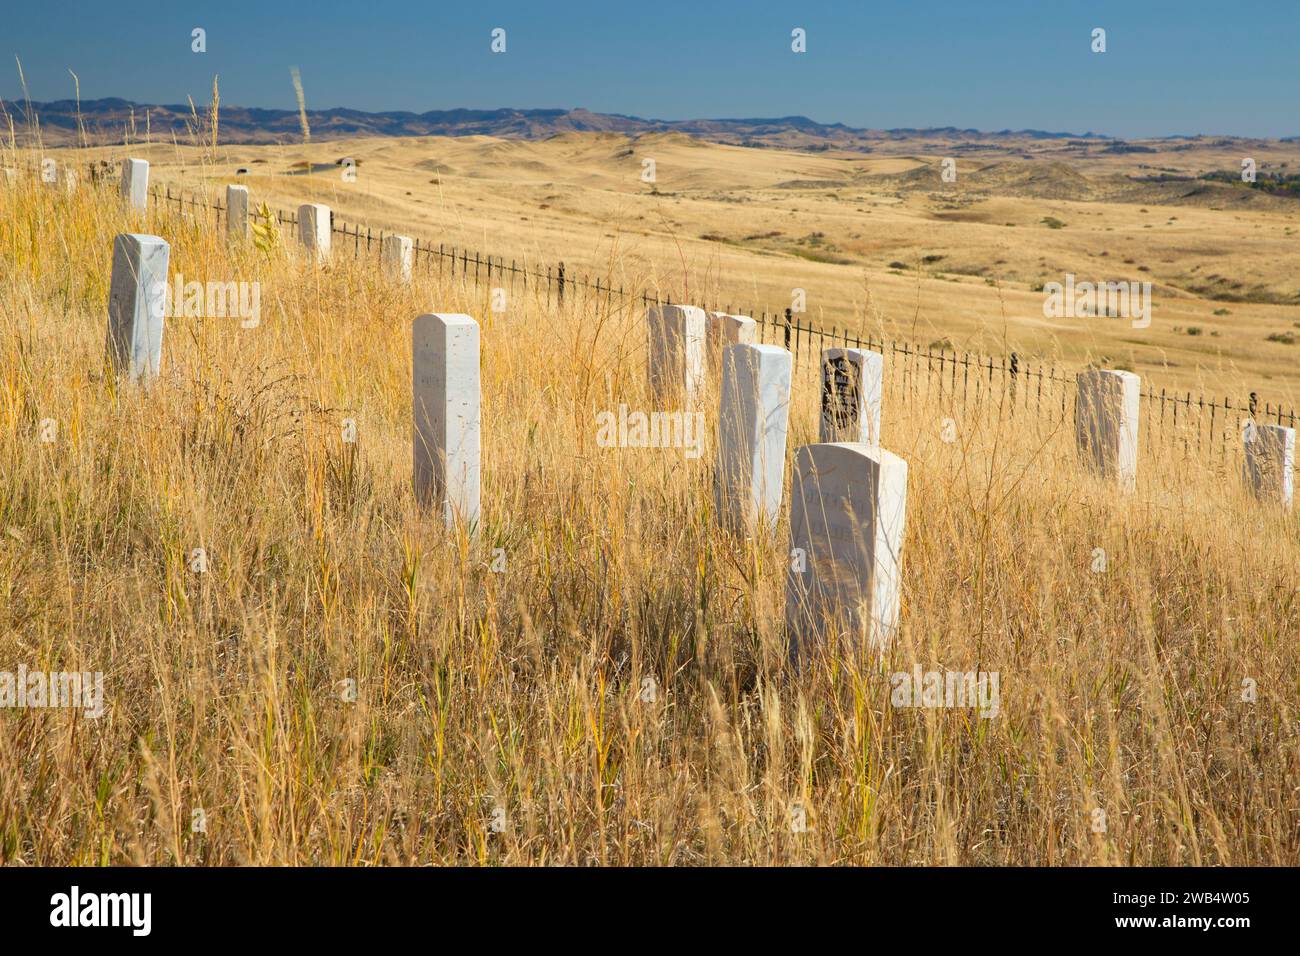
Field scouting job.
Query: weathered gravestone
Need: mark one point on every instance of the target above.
(1106, 412)
(847, 514)
(135, 183)
(314, 230)
(445, 403)
(69, 180)
(136, 305)
(396, 254)
(676, 352)
(724, 330)
(237, 212)
(1269, 469)
(752, 419)
(852, 382)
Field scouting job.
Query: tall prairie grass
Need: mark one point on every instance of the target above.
(619, 693)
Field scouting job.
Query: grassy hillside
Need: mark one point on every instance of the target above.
(879, 243)
(525, 691)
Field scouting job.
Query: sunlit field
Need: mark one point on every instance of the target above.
(600, 674)
(878, 243)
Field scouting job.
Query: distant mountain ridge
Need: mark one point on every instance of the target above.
(114, 120)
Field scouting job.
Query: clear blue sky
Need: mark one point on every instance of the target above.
(1171, 66)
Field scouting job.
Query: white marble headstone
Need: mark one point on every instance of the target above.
(69, 180)
(396, 254)
(135, 183)
(1270, 463)
(675, 359)
(445, 401)
(724, 330)
(752, 419)
(852, 383)
(237, 212)
(314, 230)
(1107, 407)
(136, 304)
(847, 514)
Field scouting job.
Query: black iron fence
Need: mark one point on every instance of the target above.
(1196, 423)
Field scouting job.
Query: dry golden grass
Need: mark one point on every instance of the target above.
(746, 226)
(522, 690)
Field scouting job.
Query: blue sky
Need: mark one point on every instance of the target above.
(1170, 67)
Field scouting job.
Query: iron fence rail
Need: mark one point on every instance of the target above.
(1194, 422)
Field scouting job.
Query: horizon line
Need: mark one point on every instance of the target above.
(26, 103)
